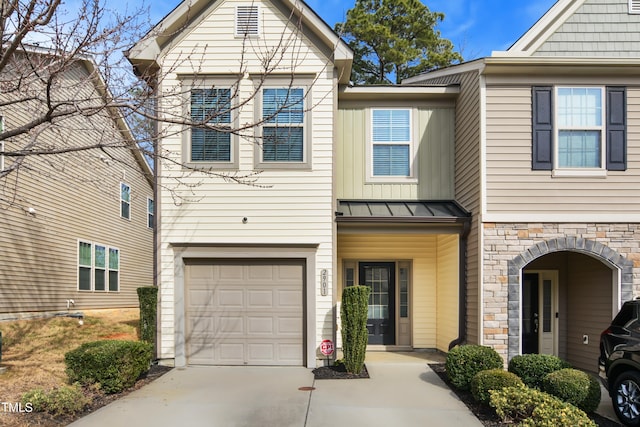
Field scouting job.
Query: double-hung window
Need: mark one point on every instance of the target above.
(283, 123)
(150, 212)
(391, 143)
(125, 201)
(579, 130)
(98, 267)
(211, 125)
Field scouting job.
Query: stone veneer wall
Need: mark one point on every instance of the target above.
(510, 247)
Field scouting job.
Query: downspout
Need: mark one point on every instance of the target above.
(462, 285)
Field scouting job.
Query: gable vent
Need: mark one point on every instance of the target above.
(247, 21)
(634, 6)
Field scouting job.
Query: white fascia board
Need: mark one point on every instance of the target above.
(605, 218)
(545, 27)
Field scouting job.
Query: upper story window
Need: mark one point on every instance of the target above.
(579, 131)
(211, 118)
(391, 143)
(580, 128)
(150, 212)
(125, 201)
(247, 21)
(283, 127)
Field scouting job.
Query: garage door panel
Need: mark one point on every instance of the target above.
(245, 314)
(230, 298)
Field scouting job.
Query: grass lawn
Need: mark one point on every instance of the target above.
(33, 353)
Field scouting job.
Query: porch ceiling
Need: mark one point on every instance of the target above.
(401, 212)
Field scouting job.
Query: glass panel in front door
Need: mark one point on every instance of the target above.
(380, 278)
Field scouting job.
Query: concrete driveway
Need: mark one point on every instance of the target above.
(402, 391)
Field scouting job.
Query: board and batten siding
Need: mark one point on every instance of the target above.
(598, 28)
(434, 278)
(39, 253)
(434, 155)
(286, 207)
(513, 188)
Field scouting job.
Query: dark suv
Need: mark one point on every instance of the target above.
(619, 362)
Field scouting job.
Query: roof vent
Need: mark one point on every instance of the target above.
(634, 6)
(247, 21)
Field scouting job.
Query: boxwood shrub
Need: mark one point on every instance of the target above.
(65, 400)
(113, 364)
(465, 361)
(492, 379)
(575, 387)
(525, 406)
(532, 368)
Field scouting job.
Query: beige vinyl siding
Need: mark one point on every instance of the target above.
(75, 196)
(285, 207)
(434, 155)
(447, 290)
(597, 28)
(467, 183)
(513, 188)
(429, 254)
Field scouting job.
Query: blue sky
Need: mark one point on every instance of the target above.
(475, 27)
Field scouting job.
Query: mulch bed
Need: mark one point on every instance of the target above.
(98, 401)
(486, 414)
(338, 372)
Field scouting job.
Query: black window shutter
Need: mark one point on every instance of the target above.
(616, 128)
(542, 128)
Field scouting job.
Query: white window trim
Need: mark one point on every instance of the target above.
(239, 34)
(286, 83)
(599, 172)
(413, 167)
(634, 7)
(224, 82)
(153, 214)
(122, 200)
(92, 273)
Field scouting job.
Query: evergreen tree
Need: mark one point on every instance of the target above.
(394, 39)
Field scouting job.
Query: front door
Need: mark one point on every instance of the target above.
(539, 313)
(380, 278)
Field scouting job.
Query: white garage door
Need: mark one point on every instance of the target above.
(247, 313)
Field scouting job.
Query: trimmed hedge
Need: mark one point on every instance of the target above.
(465, 361)
(575, 387)
(525, 406)
(355, 302)
(148, 298)
(492, 379)
(64, 400)
(113, 364)
(532, 368)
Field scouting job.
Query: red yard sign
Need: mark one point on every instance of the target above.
(326, 347)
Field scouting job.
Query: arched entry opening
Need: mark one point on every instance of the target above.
(562, 294)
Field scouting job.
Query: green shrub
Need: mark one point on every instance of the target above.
(465, 361)
(525, 406)
(115, 365)
(491, 379)
(148, 297)
(575, 387)
(532, 368)
(60, 401)
(355, 301)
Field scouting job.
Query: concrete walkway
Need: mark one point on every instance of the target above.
(402, 391)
